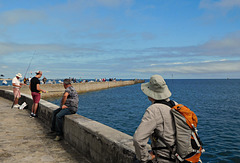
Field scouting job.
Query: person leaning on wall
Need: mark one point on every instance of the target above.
(156, 122)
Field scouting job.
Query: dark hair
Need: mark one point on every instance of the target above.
(67, 81)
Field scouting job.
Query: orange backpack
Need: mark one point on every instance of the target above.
(188, 144)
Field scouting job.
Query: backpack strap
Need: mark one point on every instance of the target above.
(168, 103)
(170, 148)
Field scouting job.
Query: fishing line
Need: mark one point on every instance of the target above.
(30, 63)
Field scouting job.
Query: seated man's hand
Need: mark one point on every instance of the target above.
(64, 107)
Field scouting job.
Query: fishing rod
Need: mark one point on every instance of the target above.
(51, 91)
(30, 63)
(24, 77)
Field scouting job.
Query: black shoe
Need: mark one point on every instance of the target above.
(32, 115)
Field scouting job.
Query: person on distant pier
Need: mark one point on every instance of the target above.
(156, 122)
(34, 86)
(69, 105)
(44, 80)
(16, 89)
(25, 80)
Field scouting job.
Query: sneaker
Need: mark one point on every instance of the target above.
(16, 105)
(58, 138)
(32, 115)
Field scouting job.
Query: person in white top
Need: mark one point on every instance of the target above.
(16, 88)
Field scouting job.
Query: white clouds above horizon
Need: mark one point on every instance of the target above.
(121, 37)
(196, 68)
(225, 47)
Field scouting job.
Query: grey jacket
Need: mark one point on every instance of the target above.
(159, 117)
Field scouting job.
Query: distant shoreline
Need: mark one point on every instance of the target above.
(54, 90)
(6, 79)
(147, 79)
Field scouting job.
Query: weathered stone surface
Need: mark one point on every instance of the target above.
(25, 140)
(96, 142)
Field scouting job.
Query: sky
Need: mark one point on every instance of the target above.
(123, 39)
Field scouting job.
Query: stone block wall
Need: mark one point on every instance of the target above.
(98, 142)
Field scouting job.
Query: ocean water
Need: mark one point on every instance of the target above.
(215, 102)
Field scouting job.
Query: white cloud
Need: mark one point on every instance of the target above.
(220, 4)
(114, 3)
(223, 10)
(188, 63)
(80, 5)
(198, 68)
(50, 49)
(21, 16)
(4, 67)
(227, 46)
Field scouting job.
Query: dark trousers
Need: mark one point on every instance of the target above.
(57, 120)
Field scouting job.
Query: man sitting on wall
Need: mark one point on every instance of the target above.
(69, 105)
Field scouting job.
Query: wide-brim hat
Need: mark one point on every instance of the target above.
(156, 88)
(19, 75)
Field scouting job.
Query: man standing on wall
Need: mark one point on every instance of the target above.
(69, 105)
(35, 91)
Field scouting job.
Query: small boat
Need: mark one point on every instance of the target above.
(4, 82)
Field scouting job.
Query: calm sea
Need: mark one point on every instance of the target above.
(216, 103)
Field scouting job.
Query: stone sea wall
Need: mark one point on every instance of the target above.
(98, 142)
(58, 89)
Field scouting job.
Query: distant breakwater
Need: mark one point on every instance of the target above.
(55, 90)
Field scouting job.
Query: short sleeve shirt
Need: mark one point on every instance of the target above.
(34, 81)
(72, 99)
(16, 81)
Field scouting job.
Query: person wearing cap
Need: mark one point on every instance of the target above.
(69, 105)
(157, 119)
(16, 89)
(35, 91)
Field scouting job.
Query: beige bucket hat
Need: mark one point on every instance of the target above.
(19, 75)
(156, 88)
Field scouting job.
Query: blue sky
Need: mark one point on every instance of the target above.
(182, 39)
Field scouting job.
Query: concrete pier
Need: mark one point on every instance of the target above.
(25, 140)
(95, 141)
(58, 89)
